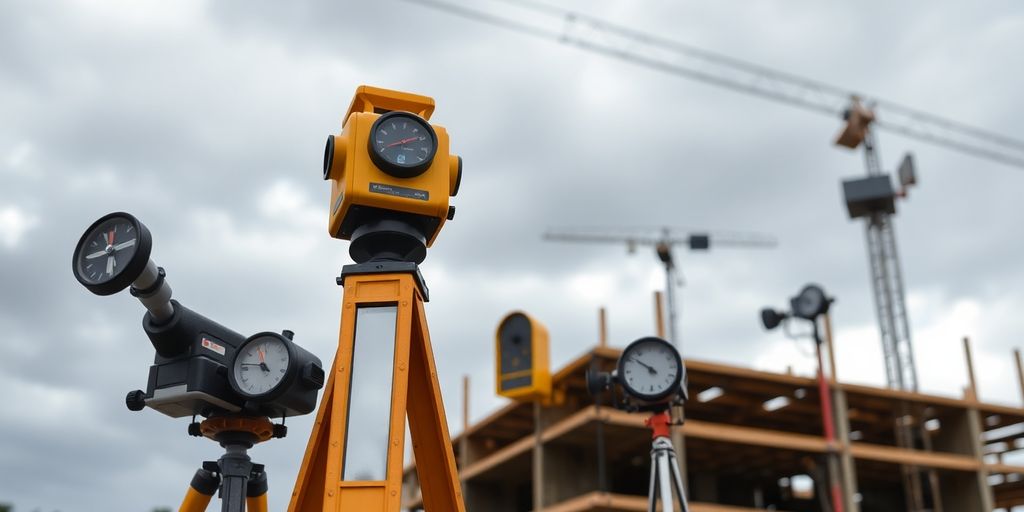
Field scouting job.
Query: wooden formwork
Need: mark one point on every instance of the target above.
(739, 454)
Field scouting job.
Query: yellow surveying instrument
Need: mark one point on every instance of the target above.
(522, 358)
(202, 368)
(391, 175)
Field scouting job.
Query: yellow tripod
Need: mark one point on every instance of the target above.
(383, 339)
(242, 484)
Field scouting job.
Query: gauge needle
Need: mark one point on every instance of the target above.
(645, 365)
(95, 255)
(263, 360)
(123, 245)
(111, 236)
(110, 264)
(403, 141)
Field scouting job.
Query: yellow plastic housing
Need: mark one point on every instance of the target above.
(351, 171)
(538, 387)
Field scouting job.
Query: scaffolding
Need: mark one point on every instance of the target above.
(750, 436)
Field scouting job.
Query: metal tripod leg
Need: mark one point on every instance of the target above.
(677, 479)
(665, 477)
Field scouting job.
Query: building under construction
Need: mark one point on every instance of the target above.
(750, 438)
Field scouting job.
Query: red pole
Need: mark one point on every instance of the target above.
(830, 429)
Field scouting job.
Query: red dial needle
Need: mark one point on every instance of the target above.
(403, 141)
(111, 236)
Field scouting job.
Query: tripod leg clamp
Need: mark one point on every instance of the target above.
(205, 482)
(256, 493)
(200, 491)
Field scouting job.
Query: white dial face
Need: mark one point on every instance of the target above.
(650, 368)
(261, 365)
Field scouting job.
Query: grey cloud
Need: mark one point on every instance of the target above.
(188, 129)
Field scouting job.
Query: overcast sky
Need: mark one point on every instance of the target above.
(206, 120)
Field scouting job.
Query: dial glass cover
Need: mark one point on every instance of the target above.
(810, 303)
(261, 364)
(106, 250)
(650, 368)
(403, 140)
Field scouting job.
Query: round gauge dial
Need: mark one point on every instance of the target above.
(650, 369)
(810, 303)
(112, 253)
(261, 364)
(402, 144)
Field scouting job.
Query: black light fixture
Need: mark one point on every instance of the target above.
(809, 304)
(771, 318)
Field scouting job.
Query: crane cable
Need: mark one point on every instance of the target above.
(738, 75)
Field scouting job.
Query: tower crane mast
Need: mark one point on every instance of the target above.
(873, 198)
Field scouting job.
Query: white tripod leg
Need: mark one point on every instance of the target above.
(665, 483)
(678, 480)
(652, 492)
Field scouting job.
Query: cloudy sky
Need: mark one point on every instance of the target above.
(207, 119)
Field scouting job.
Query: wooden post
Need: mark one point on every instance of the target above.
(831, 349)
(1020, 371)
(973, 384)
(602, 327)
(538, 459)
(659, 316)
(465, 404)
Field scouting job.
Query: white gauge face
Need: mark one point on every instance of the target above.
(650, 369)
(261, 365)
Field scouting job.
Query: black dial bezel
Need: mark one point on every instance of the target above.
(328, 156)
(131, 271)
(668, 392)
(282, 386)
(810, 302)
(395, 169)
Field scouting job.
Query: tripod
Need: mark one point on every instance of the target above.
(242, 483)
(383, 342)
(664, 466)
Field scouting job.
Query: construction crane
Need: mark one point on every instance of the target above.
(874, 199)
(664, 240)
(642, 48)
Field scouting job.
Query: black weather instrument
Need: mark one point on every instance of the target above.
(402, 144)
(112, 253)
(650, 369)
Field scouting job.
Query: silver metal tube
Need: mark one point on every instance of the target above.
(652, 495)
(665, 482)
(677, 478)
(159, 303)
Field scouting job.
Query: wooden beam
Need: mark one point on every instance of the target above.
(1020, 371)
(602, 502)
(895, 455)
(520, 447)
(659, 316)
(1005, 469)
(831, 348)
(465, 403)
(972, 383)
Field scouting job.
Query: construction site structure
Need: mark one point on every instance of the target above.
(751, 438)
